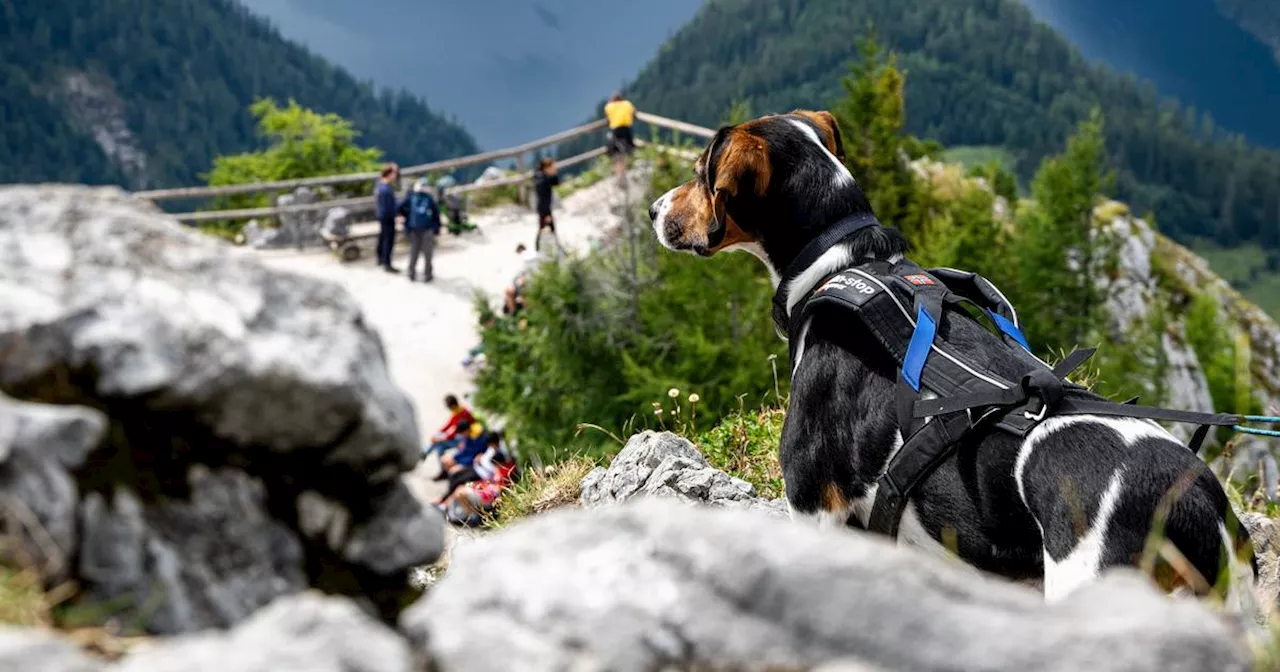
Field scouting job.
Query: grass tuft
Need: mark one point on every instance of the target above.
(540, 490)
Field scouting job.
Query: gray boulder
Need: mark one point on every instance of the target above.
(658, 585)
(232, 391)
(23, 649)
(337, 222)
(1265, 535)
(106, 300)
(306, 632)
(39, 446)
(208, 561)
(661, 464)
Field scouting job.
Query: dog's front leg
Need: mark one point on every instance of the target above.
(837, 433)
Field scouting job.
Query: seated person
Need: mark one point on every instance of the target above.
(484, 467)
(473, 443)
(447, 438)
(469, 502)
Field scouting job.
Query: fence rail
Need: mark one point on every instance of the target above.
(447, 164)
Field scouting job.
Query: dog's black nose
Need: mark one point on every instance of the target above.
(653, 211)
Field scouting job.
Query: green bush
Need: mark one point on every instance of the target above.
(604, 336)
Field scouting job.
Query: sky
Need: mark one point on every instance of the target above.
(509, 70)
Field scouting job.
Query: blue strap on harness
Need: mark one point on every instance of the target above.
(918, 350)
(1009, 329)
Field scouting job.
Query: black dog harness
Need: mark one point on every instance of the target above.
(901, 305)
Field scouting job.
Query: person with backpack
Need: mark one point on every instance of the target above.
(421, 226)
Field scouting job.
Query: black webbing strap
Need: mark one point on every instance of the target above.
(918, 457)
(810, 253)
(1043, 384)
(1072, 406)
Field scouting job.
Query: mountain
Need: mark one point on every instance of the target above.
(1259, 17)
(1185, 48)
(512, 69)
(146, 93)
(979, 72)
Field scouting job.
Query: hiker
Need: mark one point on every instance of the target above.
(513, 299)
(470, 501)
(421, 226)
(545, 178)
(447, 438)
(473, 443)
(621, 115)
(385, 212)
(483, 467)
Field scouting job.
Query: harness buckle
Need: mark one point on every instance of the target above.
(1037, 417)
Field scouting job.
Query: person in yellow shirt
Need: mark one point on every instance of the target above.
(621, 115)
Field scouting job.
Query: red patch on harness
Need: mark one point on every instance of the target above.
(919, 279)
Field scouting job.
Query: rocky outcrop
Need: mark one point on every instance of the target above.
(301, 632)
(661, 464)
(662, 585)
(199, 435)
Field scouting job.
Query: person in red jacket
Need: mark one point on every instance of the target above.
(447, 438)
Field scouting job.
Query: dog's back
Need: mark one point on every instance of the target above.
(1109, 491)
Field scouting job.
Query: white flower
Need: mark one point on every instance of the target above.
(658, 412)
(694, 398)
(673, 393)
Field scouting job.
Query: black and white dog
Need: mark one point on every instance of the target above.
(1078, 495)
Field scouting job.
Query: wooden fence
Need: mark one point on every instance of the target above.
(516, 152)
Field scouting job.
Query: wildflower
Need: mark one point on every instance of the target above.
(673, 393)
(658, 411)
(657, 404)
(694, 398)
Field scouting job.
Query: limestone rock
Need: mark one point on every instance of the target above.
(657, 584)
(661, 464)
(23, 649)
(39, 445)
(231, 391)
(303, 632)
(107, 300)
(207, 562)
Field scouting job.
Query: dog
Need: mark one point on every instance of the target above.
(1077, 495)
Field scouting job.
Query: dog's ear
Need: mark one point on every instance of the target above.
(737, 157)
(830, 128)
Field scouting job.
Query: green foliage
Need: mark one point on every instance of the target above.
(981, 73)
(1058, 256)
(180, 75)
(871, 117)
(300, 143)
(1251, 269)
(604, 337)
(745, 445)
(1223, 352)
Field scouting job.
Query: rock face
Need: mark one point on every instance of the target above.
(24, 649)
(303, 632)
(226, 401)
(661, 585)
(661, 464)
(39, 446)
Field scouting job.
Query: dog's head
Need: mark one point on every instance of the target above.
(765, 186)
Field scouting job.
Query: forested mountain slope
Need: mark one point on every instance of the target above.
(145, 93)
(979, 72)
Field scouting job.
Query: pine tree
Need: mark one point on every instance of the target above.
(871, 117)
(1058, 256)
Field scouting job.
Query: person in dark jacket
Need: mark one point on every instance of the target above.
(386, 208)
(421, 226)
(545, 178)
